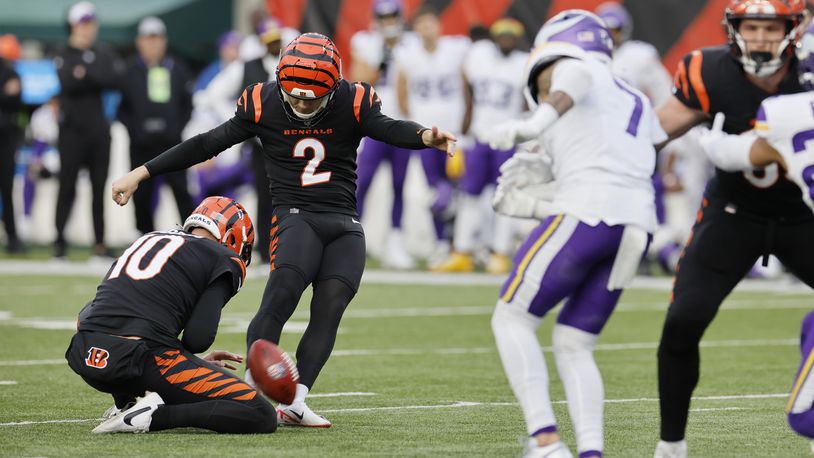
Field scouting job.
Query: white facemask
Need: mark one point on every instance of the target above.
(321, 107)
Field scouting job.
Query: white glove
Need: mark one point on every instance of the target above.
(728, 152)
(501, 137)
(510, 200)
(526, 168)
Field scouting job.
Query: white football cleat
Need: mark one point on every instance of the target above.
(111, 412)
(136, 419)
(300, 415)
(554, 450)
(666, 449)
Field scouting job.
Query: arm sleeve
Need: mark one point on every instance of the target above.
(688, 84)
(367, 108)
(200, 147)
(202, 326)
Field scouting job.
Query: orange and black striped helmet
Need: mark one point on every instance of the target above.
(227, 221)
(309, 67)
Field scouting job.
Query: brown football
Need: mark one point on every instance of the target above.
(273, 371)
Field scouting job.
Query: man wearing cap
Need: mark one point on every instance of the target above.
(156, 105)
(10, 105)
(220, 97)
(493, 71)
(85, 69)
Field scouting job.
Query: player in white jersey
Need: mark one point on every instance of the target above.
(430, 89)
(372, 52)
(784, 135)
(494, 72)
(599, 133)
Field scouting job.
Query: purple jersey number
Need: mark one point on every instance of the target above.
(636, 116)
(798, 143)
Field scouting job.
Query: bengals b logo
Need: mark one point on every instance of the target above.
(97, 357)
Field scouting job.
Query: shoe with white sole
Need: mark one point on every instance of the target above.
(395, 255)
(671, 449)
(300, 415)
(554, 450)
(136, 419)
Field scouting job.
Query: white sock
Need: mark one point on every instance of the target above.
(302, 392)
(573, 352)
(523, 362)
(467, 222)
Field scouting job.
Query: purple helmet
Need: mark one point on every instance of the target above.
(577, 27)
(386, 8)
(616, 17)
(805, 55)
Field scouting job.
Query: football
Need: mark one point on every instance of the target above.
(273, 371)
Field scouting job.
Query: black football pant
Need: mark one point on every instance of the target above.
(323, 249)
(196, 393)
(721, 250)
(143, 197)
(79, 149)
(8, 148)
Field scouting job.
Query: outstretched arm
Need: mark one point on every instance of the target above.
(184, 155)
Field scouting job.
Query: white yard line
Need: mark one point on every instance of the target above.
(337, 395)
(485, 350)
(461, 404)
(8, 382)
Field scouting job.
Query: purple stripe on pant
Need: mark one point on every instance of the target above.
(578, 270)
(803, 422)
(372, 154)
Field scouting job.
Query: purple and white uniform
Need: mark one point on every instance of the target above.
(590, 247)
(369, 45)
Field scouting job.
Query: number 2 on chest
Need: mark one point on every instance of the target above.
(309, 176)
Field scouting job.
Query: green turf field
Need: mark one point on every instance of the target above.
(432, 383)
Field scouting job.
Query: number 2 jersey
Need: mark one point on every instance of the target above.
(152, 289)
(711, 80)
(787, 123)
(310, 165)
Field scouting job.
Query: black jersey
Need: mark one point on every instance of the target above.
(711, 80)
(311, 166)
(151, 290)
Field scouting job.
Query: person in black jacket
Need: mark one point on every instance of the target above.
(128, 337)
(85, 70)
(156, 105)
(10, 104)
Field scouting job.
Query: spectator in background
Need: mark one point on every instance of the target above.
(156, 105)
(85, 69)
(10, 105)
(228, 48)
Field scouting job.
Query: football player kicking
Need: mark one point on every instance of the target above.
(127, 341)
(310, 122)
(783, 133)
(599, 133)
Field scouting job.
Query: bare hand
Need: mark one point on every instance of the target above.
(124, 187)
(439, 139)
(219, 358)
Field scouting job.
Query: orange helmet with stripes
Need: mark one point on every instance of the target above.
(310, 68)
(227, 221)
(764, 63)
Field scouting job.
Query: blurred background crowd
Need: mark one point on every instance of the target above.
(91, 90)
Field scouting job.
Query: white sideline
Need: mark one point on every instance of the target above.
(48, 267)
(459, 404)
(483, 350)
